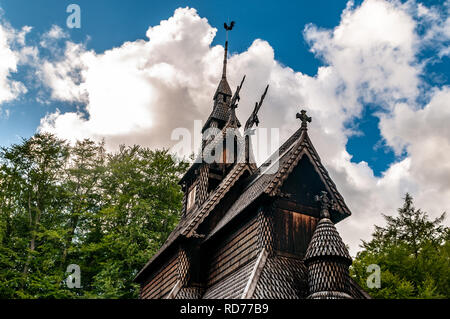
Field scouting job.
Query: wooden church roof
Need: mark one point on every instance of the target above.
(264, 275)
(261, 182)
(258, 183)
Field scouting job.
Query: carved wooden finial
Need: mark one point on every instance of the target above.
(253, 119)
(325, 204)
(304, 118)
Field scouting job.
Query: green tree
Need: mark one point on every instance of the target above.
(141, 206)
(413, 253)
(31, 206)
(61, 205)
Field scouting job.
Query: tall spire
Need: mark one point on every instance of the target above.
(225, 58)
(222, 97)
(224, 87)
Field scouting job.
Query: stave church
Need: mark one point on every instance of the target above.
(249, 232)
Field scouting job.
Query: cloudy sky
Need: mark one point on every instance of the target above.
(373, 74)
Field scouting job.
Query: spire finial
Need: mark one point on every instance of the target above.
(325, 204)
(304, 118)
(224, 71)
(227, 28)
(253, 119)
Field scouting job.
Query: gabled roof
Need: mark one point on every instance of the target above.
(257, 184)
(189, 223)
(261, 182)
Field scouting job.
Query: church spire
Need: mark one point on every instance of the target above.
(225, 58)
(224, 87)
(222, 97)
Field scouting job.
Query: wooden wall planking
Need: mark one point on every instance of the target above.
(293, 231)
(160, 284)
(234, 250)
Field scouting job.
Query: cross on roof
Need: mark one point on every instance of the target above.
(325, 204)
(304, 118)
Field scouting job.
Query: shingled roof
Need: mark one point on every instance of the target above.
(236, 214)
(257, 184)
(326, 242)
(221, 110)
(276, 277)
(261, 182)
(189, 223)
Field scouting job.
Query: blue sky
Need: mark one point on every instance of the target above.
(372, 73)
(107, 24)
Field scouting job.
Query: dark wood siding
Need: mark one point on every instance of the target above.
(293, 231)
(234, 250)
(163, 281)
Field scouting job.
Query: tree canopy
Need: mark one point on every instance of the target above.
(108, 213)
(413, 253)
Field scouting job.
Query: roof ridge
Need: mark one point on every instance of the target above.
(182, 226)
(237, 170)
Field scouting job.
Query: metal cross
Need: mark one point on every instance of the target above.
(304, 118)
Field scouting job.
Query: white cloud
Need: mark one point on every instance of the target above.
(139, 92)
(50, 38)
(10, 58)
(373, 51)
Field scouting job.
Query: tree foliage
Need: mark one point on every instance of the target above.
(62, 205)
(413, 252)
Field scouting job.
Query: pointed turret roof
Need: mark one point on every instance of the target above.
(224, 87)
(327, 258)
(221, 109)
(326, 241)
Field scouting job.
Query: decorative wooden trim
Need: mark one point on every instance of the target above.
(256, 273)
(176, 288)
(304, 147)
(215, 198)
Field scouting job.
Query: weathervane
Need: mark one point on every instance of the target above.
(304, 118)
(225, 56)
(228, 27)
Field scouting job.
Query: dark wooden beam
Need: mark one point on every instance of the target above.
(296, 207)
(215, 176)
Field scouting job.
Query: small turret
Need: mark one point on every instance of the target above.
(327, 258)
